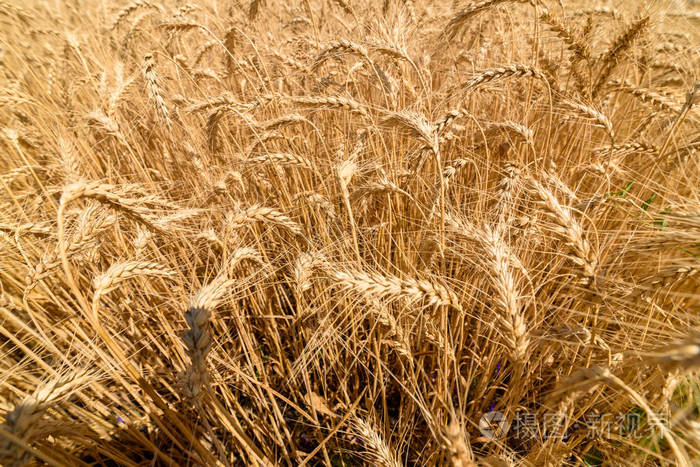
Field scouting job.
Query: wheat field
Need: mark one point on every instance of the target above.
(345, 233)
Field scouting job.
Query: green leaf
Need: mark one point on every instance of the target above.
(647, 203)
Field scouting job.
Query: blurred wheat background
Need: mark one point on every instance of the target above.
(327, 232)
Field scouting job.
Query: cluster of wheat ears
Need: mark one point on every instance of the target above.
(334, 232)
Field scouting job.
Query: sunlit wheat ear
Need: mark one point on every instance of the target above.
(613, 56)
(87, 230)
(136, 27)
(508, 185)
(214, 102)
(41, 229)
(665, 279)
(345, 6)
(283, 121)
(349, 47)
(448, 118)
(198, 338)
(594, 114)
(382, 186)
(284, 159)
(119, 92)
(317, 200)
(655, 99)
(303, 269)
(599, 11)
(345, 171)
(17, 173)
(511, 320)
(70, 160)
(261, 139)
(341, 46)
(416, 124)
(330, 103)
(198, 343)
(453, 169)
(262, 214)
(127, 10)
(203, 49)
(386, 287)
(25, 417)
(290, 62)
(211, 294)
(377, 451)
(509, 127)
(459, 20)
(138, 209)
(97, 119)
(573, 41)
(397, 337)
(395, 52)
(569, 229)
(634, 147)
(154, 90)
(578, 334)
(502, 265)
(517, 70)
(120, 272)
(180, 25)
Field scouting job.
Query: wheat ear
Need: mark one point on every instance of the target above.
(512, 71)
(23, 420)
(393, 288)
(611, 58)
(570, 230)
(378, 451)
(459, 20)
(257, 213)
(154, 90)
